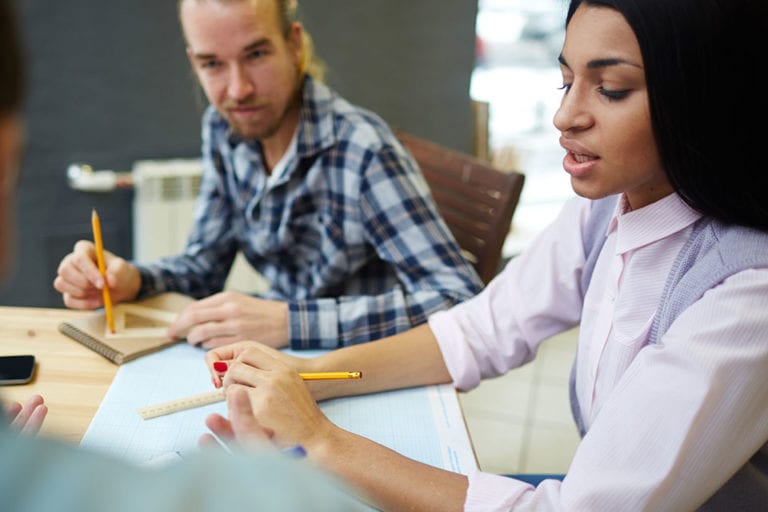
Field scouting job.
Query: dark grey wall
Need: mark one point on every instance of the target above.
(409, 60)
(109, 84)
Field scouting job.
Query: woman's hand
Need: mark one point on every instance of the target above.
(280, 401)
(27, 418)
(219, 359)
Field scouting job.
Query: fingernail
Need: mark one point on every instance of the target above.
(220, 366)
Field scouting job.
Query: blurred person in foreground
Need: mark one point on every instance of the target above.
(41, 474)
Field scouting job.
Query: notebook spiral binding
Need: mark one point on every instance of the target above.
(91, 342)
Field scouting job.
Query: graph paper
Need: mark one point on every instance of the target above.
(424, 423)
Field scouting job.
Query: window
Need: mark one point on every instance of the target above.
(517, 74)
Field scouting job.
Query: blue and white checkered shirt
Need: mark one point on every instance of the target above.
(348, 234)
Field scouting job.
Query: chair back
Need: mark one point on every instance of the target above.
(476, 200)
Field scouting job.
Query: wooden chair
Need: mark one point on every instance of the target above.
(476, 200)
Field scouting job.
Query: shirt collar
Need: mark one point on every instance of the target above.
(315, 130)
(280, 171)
(658, 220)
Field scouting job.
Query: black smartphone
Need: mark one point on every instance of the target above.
(16, 369)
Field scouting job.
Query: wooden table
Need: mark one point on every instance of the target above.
(71, 378)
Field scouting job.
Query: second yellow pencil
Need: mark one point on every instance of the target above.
(331, 375)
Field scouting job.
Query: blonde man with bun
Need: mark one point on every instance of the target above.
(317, 194)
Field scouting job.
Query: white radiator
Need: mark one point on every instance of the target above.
(163, 207)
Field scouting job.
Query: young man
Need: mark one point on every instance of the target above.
(317, 193)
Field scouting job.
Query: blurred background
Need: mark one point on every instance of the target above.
(518, 75)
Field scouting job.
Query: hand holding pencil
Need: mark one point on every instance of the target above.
(275, 387)
(82, 278)
(219, 359)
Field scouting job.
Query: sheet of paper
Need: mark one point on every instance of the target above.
(425, 424)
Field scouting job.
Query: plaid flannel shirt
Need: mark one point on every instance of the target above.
(348, 234)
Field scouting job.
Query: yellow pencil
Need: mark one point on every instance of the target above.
(331, 375)
(96, 225)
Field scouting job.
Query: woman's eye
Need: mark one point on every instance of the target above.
(565, 87)
(614, 94)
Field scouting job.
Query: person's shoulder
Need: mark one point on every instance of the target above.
(363, 127)
(216, 480)
(735, 243)
(354, 124)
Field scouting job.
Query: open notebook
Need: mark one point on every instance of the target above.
(140, 327)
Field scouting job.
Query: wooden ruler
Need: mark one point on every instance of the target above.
(182, 404)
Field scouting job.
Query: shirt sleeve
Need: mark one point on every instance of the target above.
(536, 296)
(688, 413)
(202, 269)
(402, 224)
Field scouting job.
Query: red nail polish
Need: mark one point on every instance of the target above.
(220, 366)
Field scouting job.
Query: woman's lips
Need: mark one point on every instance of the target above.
(578, 161)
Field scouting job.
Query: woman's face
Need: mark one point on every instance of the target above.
(10, 149)
(604, 116)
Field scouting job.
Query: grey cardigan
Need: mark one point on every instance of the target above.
(714, 252)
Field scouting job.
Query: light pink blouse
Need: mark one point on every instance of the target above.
(668, 423)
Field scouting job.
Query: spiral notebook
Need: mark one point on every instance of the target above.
(140, 327)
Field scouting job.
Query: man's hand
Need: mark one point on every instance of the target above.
(230, 317)
(80, 281)
(27, 418)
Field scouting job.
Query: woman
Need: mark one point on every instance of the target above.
(662, 261)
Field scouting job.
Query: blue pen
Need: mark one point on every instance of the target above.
(296, 451)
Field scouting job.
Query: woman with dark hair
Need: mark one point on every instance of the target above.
(662, 261)
(698, 61)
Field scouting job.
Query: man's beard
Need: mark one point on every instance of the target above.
(253, 132)
(265, 127)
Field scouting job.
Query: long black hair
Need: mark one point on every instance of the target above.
(11, 65)
(704, 62)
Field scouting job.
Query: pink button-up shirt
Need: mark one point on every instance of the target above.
(668, 423)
